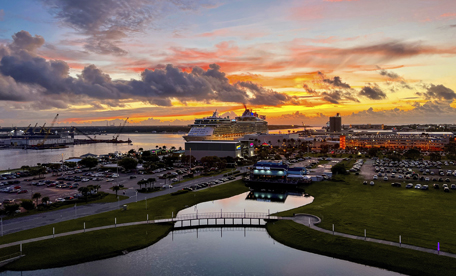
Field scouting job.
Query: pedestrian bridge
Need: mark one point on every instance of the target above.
(218, 219)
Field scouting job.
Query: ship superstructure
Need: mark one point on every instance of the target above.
(223, 128)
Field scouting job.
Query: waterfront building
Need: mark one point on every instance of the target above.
(275, 140)
(335, 123)
(235, 149)
(428, 141)
(276, 172)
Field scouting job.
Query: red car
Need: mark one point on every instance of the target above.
(51, 185)
(22, 192)
(17, 187)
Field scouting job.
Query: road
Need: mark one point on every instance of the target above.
(33, 221)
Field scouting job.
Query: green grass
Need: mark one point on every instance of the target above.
(162, 206)
(85, 247)
(422, 218)
(402, 260)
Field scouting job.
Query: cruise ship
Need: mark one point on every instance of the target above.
(218, 128)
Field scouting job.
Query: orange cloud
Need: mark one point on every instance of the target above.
(448, 14)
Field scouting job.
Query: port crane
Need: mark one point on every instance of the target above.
(48, 131)
(33, 130)
(27, 129)
(83, 133)
(120, 130)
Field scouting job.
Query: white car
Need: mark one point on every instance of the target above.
(418, 186)
(109, 180)
(427, 179)
(85, 180)
(375, 177)
(372, 183)
(60, 200)
(385, 178)
(174, 180)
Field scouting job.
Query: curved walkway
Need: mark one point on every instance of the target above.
(311, 221)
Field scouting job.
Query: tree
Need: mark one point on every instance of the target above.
(27, 204)
(141, 182)
(128, 163)
(84, 191)
(373, 152)
(11, 209)
(412, 154)
(116, 189)
(41, 171)
(88, 162)
(71, 164)
(339, 168)
(45, 200)
(435, 156)
(36, 196)
(25, 168)
(151, 181)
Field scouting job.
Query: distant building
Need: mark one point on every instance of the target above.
(429, 141)
(199, 149)
(335, 123)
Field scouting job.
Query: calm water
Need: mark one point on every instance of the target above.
(215, 251)
(19, 157)
(239, 203)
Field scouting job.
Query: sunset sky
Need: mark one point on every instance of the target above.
(168, 62)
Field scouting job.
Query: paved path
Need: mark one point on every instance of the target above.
(311, 221)
(51, 217)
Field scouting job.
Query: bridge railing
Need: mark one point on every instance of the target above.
(219, 215)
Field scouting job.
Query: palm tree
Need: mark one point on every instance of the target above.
(23, 168)
(95, 187)
(116, 189)
(36, 196)
(152, 180)
(45, 200)
(141, 182)
(84, 191)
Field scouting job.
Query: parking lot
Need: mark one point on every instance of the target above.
(411, 174)
(58, 187)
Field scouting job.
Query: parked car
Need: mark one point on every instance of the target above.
(60, 200)
(453, 187)
(372, 183)
(132, 176)
(425, 187)
(436, 186)
(22, 191)
(396, 184)
(417, 186)
(446, 190)
(409, 186)
(364, 182)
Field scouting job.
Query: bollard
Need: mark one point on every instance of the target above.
(147, 218)
(333, 229)
(84, 227)
(53, 232)
(115, 222)
(364, 234)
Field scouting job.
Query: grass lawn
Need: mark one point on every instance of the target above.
(402, 260)
(162, 206)
(422, 218)
(85, 247)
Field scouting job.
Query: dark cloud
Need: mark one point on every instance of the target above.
(335, 82)
(24, 41)
(390, 75)
(107, 22)
(372, 92)
(333, 91)
(438, 92)
(51, 78)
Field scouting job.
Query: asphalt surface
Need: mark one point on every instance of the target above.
(46, 218)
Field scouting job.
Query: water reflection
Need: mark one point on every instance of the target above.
(253, 201)
(221, 251)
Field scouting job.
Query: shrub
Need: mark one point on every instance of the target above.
(28, 204)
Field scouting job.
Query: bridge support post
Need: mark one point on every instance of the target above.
(190, 222)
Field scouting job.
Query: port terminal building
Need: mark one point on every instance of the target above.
(235, 149)
(277, 172)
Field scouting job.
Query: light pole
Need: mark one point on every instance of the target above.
(118, 203)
